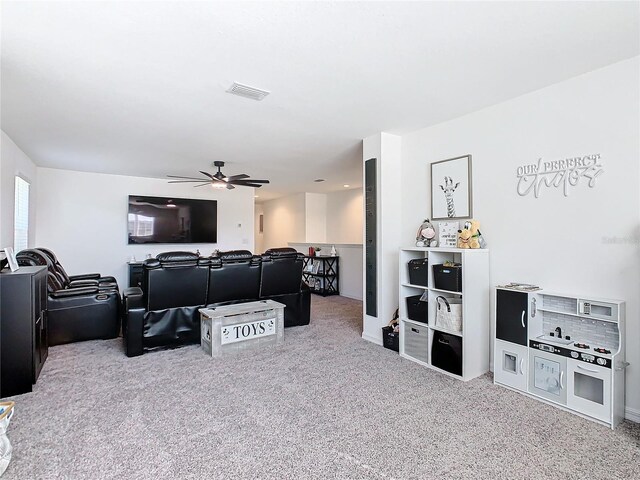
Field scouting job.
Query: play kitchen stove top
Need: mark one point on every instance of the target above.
(573, 351)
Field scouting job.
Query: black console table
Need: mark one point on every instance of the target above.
(321, 273)
(23, 328)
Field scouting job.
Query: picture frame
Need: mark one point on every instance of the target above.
(11, 258)
(448, 234)
(451, 192)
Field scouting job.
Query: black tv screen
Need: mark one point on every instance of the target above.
(172, 220)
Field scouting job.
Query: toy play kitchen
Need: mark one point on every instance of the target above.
(563, 349)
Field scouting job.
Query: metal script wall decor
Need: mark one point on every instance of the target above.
(558, 173)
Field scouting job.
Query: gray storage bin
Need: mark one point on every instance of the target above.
(416, 341)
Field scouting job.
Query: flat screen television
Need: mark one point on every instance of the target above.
(172, 220)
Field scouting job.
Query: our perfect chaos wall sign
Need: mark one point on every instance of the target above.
(565, 173)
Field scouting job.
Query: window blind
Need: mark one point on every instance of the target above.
(21, 215)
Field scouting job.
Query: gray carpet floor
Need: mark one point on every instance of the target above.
(327, 404)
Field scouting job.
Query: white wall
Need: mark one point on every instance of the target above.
(284, 221)
(14, 161)
(344, 216)
(554, 241)
(82, 217)
(315, 218)
(259, 236)
(328, 219)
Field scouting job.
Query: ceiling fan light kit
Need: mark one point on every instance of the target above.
(219, 180)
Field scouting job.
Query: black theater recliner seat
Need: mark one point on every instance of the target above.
(175, 285)
(81, 309)
(84, 280)
(164, 312)
(281, 281)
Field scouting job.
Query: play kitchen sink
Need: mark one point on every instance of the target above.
(554, 339)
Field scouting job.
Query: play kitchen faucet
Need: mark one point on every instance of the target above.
(559, 332)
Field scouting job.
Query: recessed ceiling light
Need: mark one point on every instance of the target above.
(346, 185)
(247, 91)
(256, 196)
(318, 180)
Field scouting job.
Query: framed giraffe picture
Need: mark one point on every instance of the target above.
(451, 188)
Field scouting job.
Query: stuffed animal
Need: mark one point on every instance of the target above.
(476, 237)
(425, 237)
(464, 238)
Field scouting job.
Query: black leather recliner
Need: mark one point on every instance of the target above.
(87, 279)
(281, 281)
(165, 311)
(77, 311)
(230, 277)
(234, 277)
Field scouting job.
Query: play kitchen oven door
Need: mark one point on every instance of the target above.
(547, 372)
(589, 388)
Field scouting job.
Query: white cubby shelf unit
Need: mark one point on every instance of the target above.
(475, 335)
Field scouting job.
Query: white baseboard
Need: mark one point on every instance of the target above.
(632, 414)
(371, 339)
(351, 296)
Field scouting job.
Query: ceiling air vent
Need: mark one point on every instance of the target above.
(247, 91)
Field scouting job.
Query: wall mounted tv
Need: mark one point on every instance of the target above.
(172, 220)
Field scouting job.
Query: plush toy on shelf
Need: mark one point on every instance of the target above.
(464, 238)
(476, 235)
(426, 235)
(470, 236)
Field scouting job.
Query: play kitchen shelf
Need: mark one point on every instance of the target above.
(424, 277)
(563, 349)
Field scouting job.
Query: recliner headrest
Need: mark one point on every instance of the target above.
(235, 255)
(49, 253)
(283, 252)
(33, 257)
(175, 259)
(167, 257)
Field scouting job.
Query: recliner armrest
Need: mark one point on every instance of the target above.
(86, 276)
(133, 325)
(74, 292)
(83, 283)
(132, 298)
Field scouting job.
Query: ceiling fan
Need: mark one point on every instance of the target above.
(220, 180)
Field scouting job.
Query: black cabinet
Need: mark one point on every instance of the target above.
(135, 274)
(322, 274)
(23, 328)
(512, 316)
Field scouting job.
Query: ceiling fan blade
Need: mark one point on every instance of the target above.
(208, 175)
(190, 178)
(237, 177)
(241, 182)
(247, 184)
(230, 187)
(202, 184)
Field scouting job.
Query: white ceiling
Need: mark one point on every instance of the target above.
(139, 88)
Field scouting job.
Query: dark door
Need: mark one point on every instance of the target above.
(511, 316)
